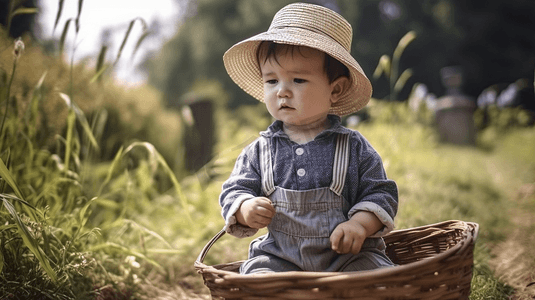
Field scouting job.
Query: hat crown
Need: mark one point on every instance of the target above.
(315, 18)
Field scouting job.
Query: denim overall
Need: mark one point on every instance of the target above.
(299, 233)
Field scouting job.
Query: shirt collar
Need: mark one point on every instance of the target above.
(275, 129)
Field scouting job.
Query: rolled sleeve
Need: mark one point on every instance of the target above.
(375, 192)
(243, 184)
(232, 226)
(379, 212)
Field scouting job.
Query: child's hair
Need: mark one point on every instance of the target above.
(269, 49)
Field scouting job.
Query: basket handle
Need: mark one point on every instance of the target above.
(209, 245)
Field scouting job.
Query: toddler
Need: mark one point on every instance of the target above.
(319, 188)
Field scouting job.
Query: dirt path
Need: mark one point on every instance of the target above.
(514, 261)
(162, 291)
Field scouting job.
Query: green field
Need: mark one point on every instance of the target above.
(440, 182)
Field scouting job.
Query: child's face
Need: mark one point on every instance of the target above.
(296, 88)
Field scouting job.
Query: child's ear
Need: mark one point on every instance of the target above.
(338, 88)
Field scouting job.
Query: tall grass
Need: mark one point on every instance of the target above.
(24, 236)
(65, 234)
(55, 232)
(390, 66)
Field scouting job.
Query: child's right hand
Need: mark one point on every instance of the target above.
(256, 212)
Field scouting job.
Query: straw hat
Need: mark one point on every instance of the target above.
(308, 25)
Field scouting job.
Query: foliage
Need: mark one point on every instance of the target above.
(188, 57)
(125, 114)
(18, 16)
(450, 32)
(50, 218)
(29, 242)
(57, 238)
(494, 123)
(390, 67)
(503, 119)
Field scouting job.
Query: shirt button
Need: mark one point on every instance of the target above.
(301, 172)
(299, 151)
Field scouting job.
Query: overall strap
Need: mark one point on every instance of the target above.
(340, 164)
(266, 169)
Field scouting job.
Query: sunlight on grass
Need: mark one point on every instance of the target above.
(436, 182)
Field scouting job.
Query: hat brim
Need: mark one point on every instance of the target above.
(242, 66)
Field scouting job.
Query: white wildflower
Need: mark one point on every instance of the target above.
(18, 48)
(131, 260)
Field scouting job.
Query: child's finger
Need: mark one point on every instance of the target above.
(345, 244)
(266, 204)
(336, 237)
(264, 199)
(264, 212)
(355, 247)
(262, 221)
(267, 201)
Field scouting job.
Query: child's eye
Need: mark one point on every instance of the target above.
(271, 81)
(299, 80)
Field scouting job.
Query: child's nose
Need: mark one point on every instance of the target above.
(283, 92)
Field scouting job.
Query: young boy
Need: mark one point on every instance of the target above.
(318, 187)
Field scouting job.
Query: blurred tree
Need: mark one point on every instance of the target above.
(493, 42)
(21, 23)
(195, 53)
(498, 44)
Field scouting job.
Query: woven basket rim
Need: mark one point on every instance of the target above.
(471, 232)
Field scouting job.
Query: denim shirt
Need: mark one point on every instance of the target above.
(310, 166)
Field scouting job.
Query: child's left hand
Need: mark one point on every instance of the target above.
(348, 237)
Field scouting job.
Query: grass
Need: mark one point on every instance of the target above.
(110, 228)
(439, 182)
(436, 182)
(93, 220)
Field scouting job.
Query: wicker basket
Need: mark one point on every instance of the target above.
(434, 262)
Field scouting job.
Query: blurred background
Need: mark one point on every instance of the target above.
(118, 117)
(176, 46)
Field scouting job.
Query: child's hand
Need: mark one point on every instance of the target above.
(256, 212)
(348, 237)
